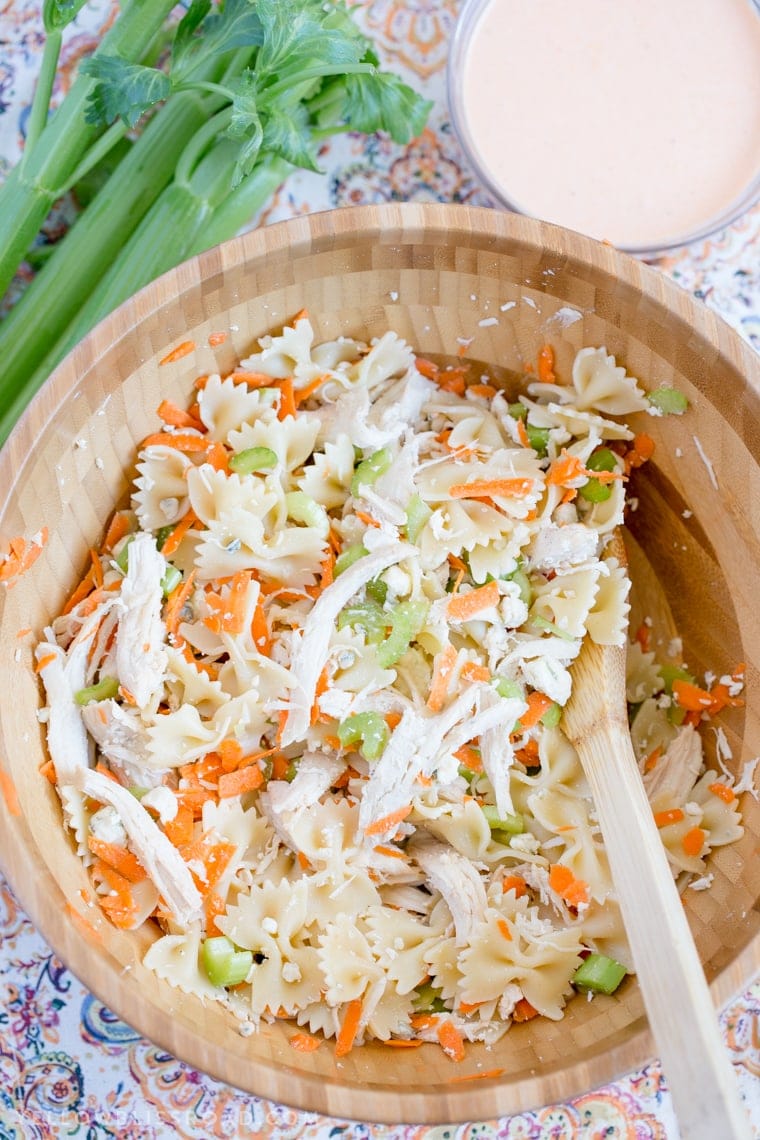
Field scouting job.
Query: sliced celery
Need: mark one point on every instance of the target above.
(348, 557)
(512, 824)
(370, 469)
(105, 688)
(369, 730)
(224, 965)
(417, 515)
(252, 459)
(368, 616)
(599, 974)
(407, 619)
(170, 580)
(669, 401)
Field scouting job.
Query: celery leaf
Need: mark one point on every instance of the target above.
(58, 14)
(122, 90)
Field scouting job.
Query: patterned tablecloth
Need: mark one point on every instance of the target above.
(68, 1067)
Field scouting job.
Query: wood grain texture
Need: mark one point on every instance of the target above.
(360, 271)
(679, 1007)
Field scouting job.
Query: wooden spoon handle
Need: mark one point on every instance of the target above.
(677, 999)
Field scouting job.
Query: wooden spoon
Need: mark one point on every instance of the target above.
(676, 995)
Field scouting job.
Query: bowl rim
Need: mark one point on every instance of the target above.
(419, 221)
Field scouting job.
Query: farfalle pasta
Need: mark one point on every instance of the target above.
(305, 710)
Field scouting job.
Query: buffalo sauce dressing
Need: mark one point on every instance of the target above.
(636, 123)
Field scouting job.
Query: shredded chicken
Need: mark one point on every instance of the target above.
(310, 653)
(140, 649)
(676, 772)
(163, 862)
(457, 880)
(559, 547)
(121, 737)
(316, 773)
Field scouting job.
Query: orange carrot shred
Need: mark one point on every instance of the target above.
(214, 907)
(693, 842)
(723, 792)
(181, 441)
(243, 780)
(545, 366)
(451, 1040)
(514, 883)
(462, 607)
(217, 338)
(691, 697)
(485, 390)
(402, 1043)
(490, 488)
(44, 662)
(304, 1042)
(175, 416)
(177, 353)
(444, 664)
(350, 1027)
(671, 815)
(538, 703)
(8, 789)
(176, 601)
(117, 528)
(172, 541)
(119, 858)
(48, 771)
(287, 400)
(470, 757)
(388, 821)
(522, 434)
(179, 830)
(504, 930)
(21, 556)
(426, 368)
(523, 1010)
(651, 761)
(563, 881)
(485, 1075)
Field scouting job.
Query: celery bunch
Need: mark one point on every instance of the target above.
(249, 91)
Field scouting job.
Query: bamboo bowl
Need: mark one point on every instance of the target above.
(432, 273)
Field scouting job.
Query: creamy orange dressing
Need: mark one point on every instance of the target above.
(636, 122)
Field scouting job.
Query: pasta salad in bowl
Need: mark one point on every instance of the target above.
(303, 711)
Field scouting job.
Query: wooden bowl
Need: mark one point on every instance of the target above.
(436, 274)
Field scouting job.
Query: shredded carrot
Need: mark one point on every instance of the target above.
(426, 368)
(388, 821)
(641, 450)
(563, 881)
(691, 697)
(216, 338)
(504, 930)
(442, 670)
(523, 1010)
(671, 815)
(470, 757)
(462, 607)
(119, 858)
(485, 390)
(423, 1020)
(452, 380)
(492, 488)
(180, 441)
(538, 703)
(723, 792)
(514, 883)
(651, 761)
(171, 414)
(469, 1006)
(253, 379)
(177, 353)
(172, 541)
(8, 789)
(392, 719)
(486, 1075)
(287, 400)
(643, 635)
(451, 1040)
(566, 468)
(303, 861)
(215, 858)
(179, 830)
(117, 529)
(300, 395)
(214, 907)
(693, 842)
(472, 671)
(390, 852)
(236, 783)
(522, 434)
(44, 662)
(366, 519)
(175, 603)
(402, 1043)
(21, 556)
(304, 1042)
(545, 366)
(350, 1027)
(322, 685)
(230, 753)
(48, 771)
(85, 587)
(24, 632)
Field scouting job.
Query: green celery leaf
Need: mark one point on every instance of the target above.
(201, 35)
(303, 35)
(245, 124)
(57, 14)
(122, 89)
(287, 134)
(383, 102)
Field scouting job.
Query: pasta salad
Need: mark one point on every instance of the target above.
(304, 709)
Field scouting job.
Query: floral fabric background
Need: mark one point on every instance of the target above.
(68, 1067)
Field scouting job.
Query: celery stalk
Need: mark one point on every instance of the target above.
(79, 261)
(35, 183)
